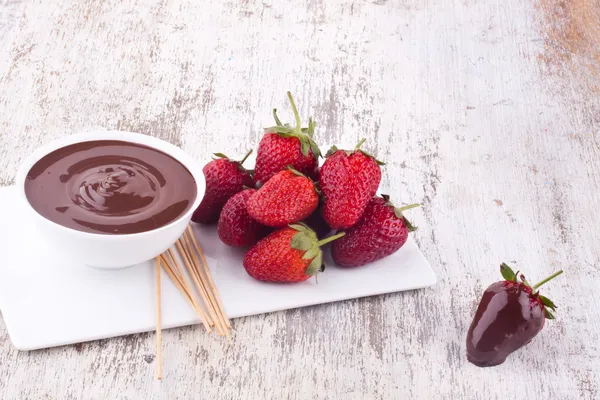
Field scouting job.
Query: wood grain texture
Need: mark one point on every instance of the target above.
(488, 113)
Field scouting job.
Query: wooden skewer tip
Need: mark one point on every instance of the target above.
(158, 323)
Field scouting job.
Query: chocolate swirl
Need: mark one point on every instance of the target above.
(110, 187)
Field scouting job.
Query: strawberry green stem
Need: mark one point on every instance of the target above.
(277, 121)
(409, 207)
(298, 122)
(360, 143)
(330, 239)
(311, 127)
(540, 283)
(246, 156)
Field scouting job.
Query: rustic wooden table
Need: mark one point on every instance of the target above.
(487, 112)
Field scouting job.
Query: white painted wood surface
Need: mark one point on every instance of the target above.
(487, 112)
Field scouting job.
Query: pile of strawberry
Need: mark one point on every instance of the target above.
(288, 207)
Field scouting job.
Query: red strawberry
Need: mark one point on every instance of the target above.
(349, 179)
(287, 197)
(510, 314)
(283, 146)
(224, 178)
(381, 231)
(236, 228)
(291, 254)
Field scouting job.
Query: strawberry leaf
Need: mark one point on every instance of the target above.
(304, 146)
(295, 172)
(523, 279)
(508, 273)
(371, 156)
(398, 212)
(305, 239)
(303, 134)
(245, 157)
(300, 227)
(302, 241)
(332, 150)
(315, 265)
(314, 148)
(311, 253)
(411, 227)
(548, 303)
(284, 131)
(220, 155)
(323, 265)
(311, 127)
(549, 315)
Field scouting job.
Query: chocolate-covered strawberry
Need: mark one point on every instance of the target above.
(509, 315)
(236, 228)
(224, 178)
(283, 146)
(382, 230)
(348, 180)
(290, 254)
(286, 198)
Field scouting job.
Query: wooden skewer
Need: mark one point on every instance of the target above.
(208, 274)
(175, 273)
(185, 291)
(200, 271)
(187, 251)
(211, 310)
(199, 286)
(174, 262)
(176, 279)
(207, 277)
(193, 272)
(178, 271)
(158, 323)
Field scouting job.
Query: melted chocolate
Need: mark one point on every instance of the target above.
(110, 187)
(507, 319)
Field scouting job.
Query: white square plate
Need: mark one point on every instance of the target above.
(47, 300)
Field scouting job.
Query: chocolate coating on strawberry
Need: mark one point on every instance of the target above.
(510, 314)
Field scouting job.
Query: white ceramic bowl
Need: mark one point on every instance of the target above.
(112, 251)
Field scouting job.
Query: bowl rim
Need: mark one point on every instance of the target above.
(192, 165)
